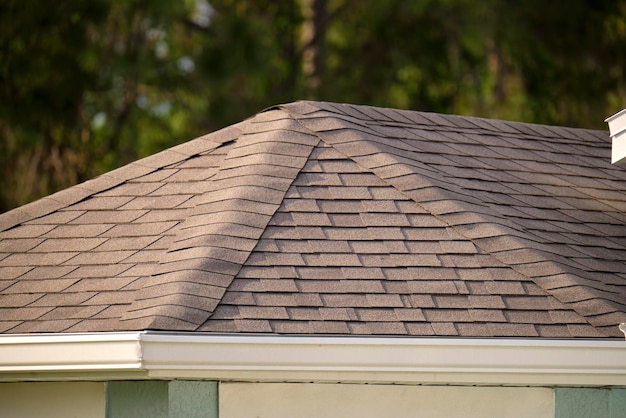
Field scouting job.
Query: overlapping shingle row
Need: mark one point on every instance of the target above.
(78, 268)
(347, 253)
(222, 229)
(318, 218)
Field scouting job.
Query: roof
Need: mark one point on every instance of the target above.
(322, 218)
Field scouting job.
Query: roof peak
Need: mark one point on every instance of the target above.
(198, 262)
(378, 220)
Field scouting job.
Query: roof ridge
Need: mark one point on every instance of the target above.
(111, 179)
(370, 151)
(202, 261)
(447, 121)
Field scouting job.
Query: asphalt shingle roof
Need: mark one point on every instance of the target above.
(321, 218)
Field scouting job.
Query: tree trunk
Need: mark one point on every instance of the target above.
(313, 39)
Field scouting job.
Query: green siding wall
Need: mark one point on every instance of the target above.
(590, 403)
(198, 399)
(161, 399)
(189, 399)
(618, 403)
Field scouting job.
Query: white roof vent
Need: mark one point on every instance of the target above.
(617, 130)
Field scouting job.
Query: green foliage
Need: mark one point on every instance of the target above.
(88, 85)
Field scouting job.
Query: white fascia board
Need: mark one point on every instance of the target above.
(617, 122)
(383, 360)
(617, 131)
(70, 356)
(618, 148)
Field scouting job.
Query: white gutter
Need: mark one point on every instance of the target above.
(157, 355)
(40, 356)
(617, 131)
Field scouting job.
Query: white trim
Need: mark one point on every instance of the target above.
(617, 131)
(617, 122)
(39, 356)
(162, 355)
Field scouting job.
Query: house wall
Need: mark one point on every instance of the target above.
(279, 400)
(52, 400)
(590, 402)
(200, 399)
(161, 399)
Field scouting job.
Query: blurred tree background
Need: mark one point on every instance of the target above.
(89, 85)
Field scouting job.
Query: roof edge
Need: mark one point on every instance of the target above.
(280, 154)
(167, 355)
(81, 191)
(375, 155)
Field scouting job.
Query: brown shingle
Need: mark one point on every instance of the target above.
(317, 218)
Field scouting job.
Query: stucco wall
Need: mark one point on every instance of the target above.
(162, 399)
(52, 400)
(590, 402)
(277, 400)
(200, 399)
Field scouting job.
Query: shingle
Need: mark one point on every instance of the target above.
(486, 301)
(419, 328)
(18, 300)
(380, 315)
(362, 273)
(350, 192)
(12, 272)
(179, 317)
(58, 299)
(86, 271)
(68, 244)
(74, 312)
(291, 327)
(138, 230)
(49, 325)
(108, 217)
(100, 284)
(342, 206)
(323, 218)
(78, 231)
(338, 314)
(447, 315)
(276, 299)
(456, 301)
(97, 257)
(134, 243)
(345, 300)
(385, 219)
(444, 329)
(386, 300)
(26, 231)
(156, 202)
(329, 327)
(512, 330)
(566, 316)
(584, 331)
(23, 314)
(311, 219)
(487, 315)
(109, 297)
(340, 286)
(404, 314)
(237, 298)
(382, 328)
(529, 317)
(56, 218)
(40, 259)
(340, 260)
(7, 326)
(258, 312)
(39, 286)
